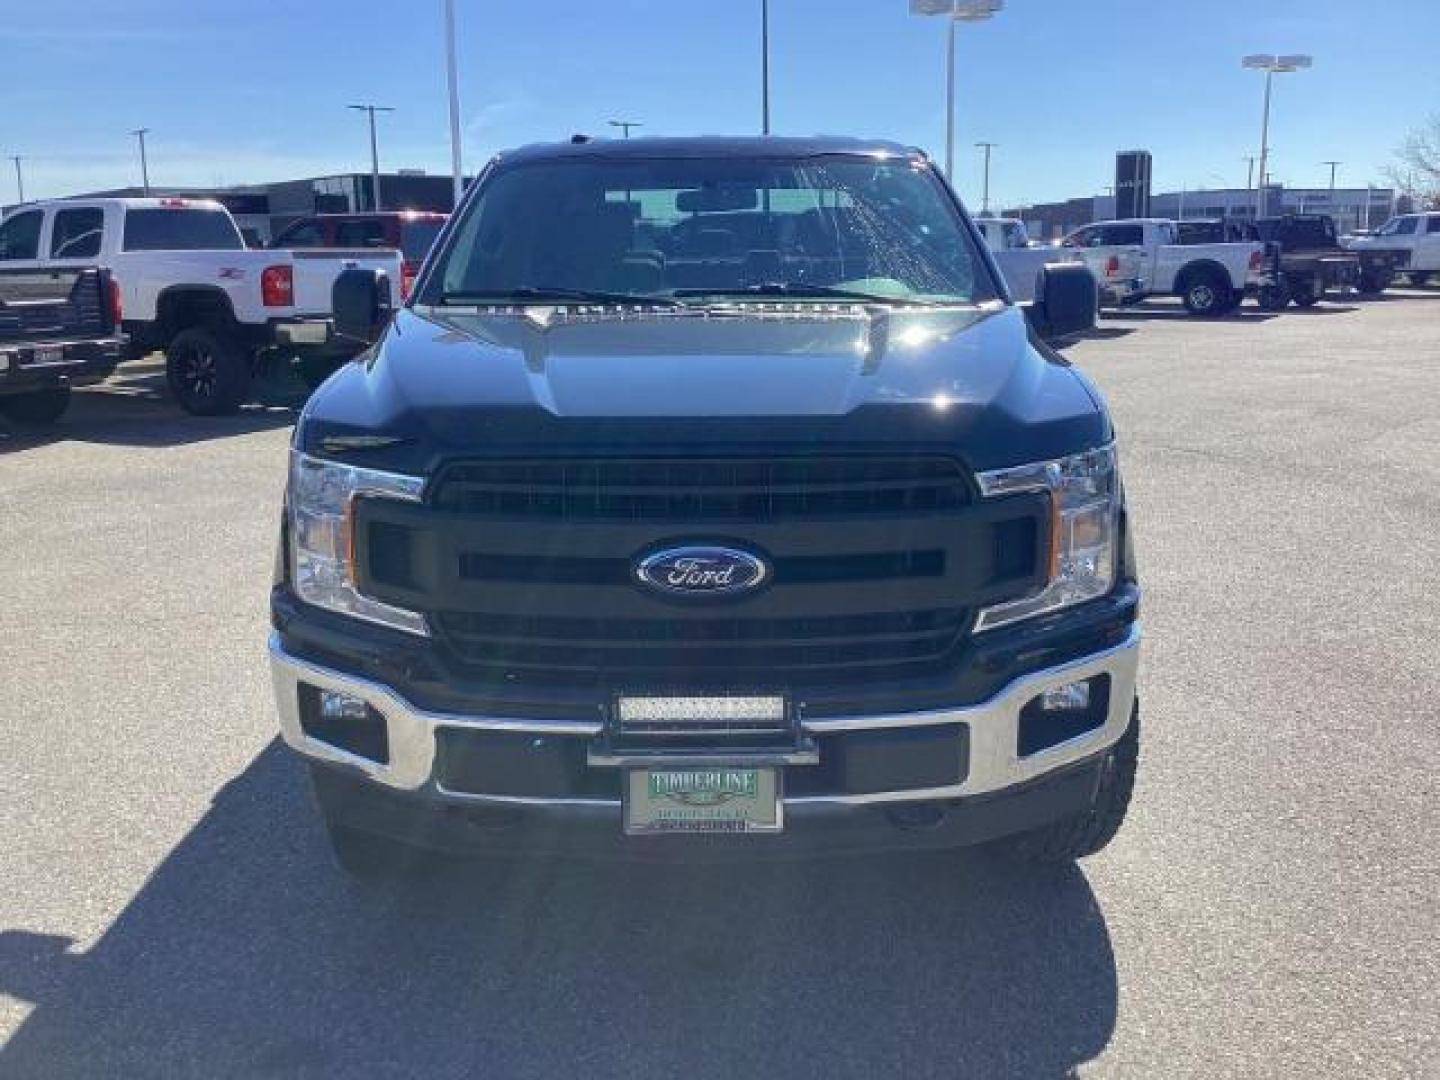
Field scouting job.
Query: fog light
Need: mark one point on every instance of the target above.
(345, 722)
(1075, 695)
(335, 706)
(1064, 713)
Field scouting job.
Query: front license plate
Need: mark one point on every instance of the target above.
(709, 799)
(47, 356)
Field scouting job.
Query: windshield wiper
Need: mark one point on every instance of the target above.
(803, 290)
(540, 294)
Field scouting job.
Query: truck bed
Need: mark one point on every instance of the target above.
(53, 305)
(57, 329)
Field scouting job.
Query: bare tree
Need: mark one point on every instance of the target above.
(1418, 172)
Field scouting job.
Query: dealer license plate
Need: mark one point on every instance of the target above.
(708, 799)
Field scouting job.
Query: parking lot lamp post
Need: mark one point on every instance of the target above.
(764, 68)
(625, 125)
(954, 11)
(1333, 165)
(452, 84)
(371, 110)
(19, 178)
(1270, 65)
(140, 134)
(985, 190)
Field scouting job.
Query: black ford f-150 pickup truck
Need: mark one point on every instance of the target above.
(708, 498)
(58, 329)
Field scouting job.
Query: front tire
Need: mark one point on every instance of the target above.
(208, 371)
(1206, 294)
(41, 407)
(364, 855)
(1305, 294)
(1089, 831)
(1273, 297)
(1373, 284)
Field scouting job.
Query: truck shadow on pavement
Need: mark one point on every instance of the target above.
(133, 408)
(247, 953)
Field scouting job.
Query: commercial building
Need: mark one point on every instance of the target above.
(1352, 208)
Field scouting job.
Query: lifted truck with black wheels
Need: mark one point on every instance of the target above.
(712, 499)
(191, 289)
(58, 329)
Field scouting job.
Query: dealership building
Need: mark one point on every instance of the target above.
(1352, 208)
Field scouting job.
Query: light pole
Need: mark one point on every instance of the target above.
(985, 191)
(140, 134)
(764, 68)
(456, 166)
(1270, 65)
(1333, 165)
(19, 179)
(625, 125)
(371, 110)
(954, 11)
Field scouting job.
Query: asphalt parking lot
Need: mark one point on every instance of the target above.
(168, 906)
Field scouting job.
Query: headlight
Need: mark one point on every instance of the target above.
(322, 536)
(1084, 514)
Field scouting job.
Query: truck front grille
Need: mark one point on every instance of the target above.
(526, 569)
(702, 490)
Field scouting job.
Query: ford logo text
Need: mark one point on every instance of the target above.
(702, 570)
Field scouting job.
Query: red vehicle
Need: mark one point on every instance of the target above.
(410, 231)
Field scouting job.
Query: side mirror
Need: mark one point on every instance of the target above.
(361, 302)
(1066, 300)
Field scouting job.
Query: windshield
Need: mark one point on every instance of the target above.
(181, 230)
(1397, 226)
(723, 226)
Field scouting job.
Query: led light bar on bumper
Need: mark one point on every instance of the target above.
(321, 506)
(1084, 494)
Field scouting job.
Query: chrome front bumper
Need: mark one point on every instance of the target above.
(993, 766)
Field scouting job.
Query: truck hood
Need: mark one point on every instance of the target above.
(441, 384)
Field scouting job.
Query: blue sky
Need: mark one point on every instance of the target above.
(239, 93)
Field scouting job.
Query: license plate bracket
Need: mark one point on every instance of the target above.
(689, 800)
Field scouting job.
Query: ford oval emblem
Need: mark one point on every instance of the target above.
(701, 570)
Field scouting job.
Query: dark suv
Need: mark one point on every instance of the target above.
(709, 498)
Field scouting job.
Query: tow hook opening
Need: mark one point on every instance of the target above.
(916, 817)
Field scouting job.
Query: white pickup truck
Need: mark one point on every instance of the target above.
(189, 286)
(1020, 260)
(1416, 237)
(1212, 279)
